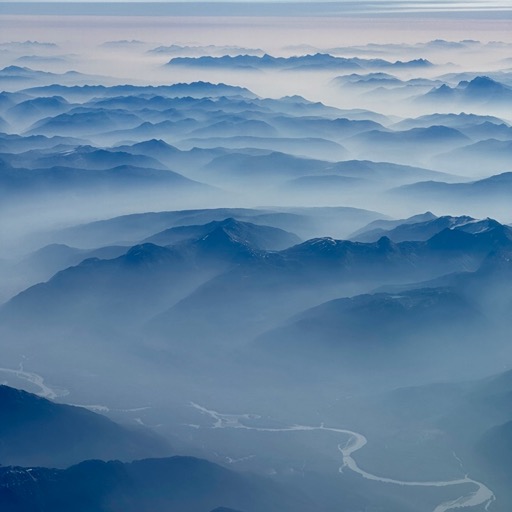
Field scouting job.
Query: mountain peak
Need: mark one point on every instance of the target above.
(147, 254)
(484, 82)
(384, 242)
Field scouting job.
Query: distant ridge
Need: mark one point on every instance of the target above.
(304, 62)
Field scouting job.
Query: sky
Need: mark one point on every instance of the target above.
(498, 10)
(311, 6)
(427, 4)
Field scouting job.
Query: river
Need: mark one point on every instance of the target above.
(36, 380)
(482, 495)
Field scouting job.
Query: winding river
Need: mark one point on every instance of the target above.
(36, 380)
(482, 495)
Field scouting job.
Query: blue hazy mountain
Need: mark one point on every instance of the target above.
(479, 90)
(4, 125)
(41, 60)
(259, 237)
(409, 48)
(199, 50)
(10, 98)
(157, 148)
(85, 122)
(52, 181)
(123, 43)
(402, 322)
(495, 188)
(144, 279)
(483, 406)
(193, 89)
(277, 166)
(420, 229)
(458, 121)
(334, 129)
(493, 446)
(317, 61)
(310, 147)
(170, 130)
(385, 225)
(37, 432)
(42, 264)
(328, 267)
(383, 84)
(171, 156)
(487, 130)
(329, 186)
(491, 154)
(298, 106)
(136, 227)
(158, 276)
(176, 483)
(470, 305)
(32, 110)
(17, 77)
(374, 78)
(250, 128)
(29, 45)
(82, 157)
(12, 143)
(488, 285)
(22, 74)
(414, 145)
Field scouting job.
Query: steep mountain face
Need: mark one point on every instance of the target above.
(414, 324)
(129, 287)
(37, 432)
(448, 248)
(47, 261)
(183, 484)
(278, 285)
(489, 287)
(146, 278)
(41, 265)
(223, 260)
